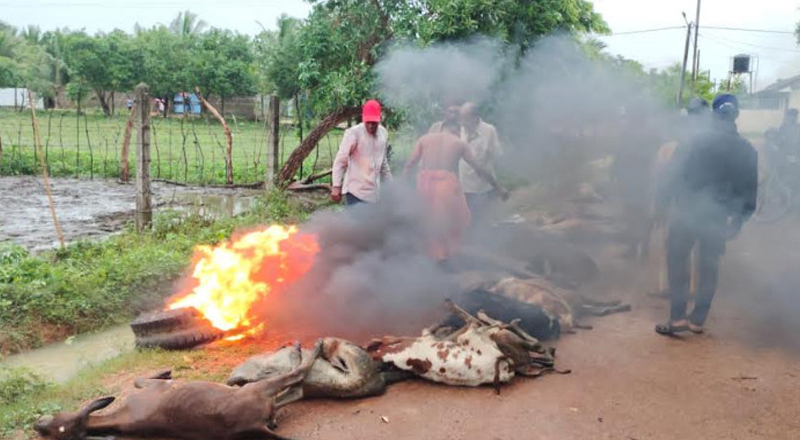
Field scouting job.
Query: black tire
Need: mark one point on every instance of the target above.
(165, 321)
(181, 340)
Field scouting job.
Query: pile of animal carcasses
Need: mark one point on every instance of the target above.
(491, 335)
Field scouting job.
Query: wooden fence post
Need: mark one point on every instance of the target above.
(144, 209)
(273, 150)
(37, 143)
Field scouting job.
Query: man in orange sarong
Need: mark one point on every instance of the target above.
(438, 156)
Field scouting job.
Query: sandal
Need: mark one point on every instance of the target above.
(696, 329)
(670, 329)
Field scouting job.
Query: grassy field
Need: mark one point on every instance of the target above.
(186, 150)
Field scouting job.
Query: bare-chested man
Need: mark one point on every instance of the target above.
(438, 156)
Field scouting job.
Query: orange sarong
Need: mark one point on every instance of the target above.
(447, 211)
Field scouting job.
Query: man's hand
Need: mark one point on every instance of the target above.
(336, 194)
(503, 193)
(734, 227)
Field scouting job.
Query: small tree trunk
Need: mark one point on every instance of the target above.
(299, 115)
(305, 148)
(101, 96)
(228, 137)
(273, 150)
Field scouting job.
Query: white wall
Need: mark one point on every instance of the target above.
(7, 98)
(758, 121)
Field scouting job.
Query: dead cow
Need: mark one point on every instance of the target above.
(566, 305)
(186, 410)
(484, 351)
(343, 370)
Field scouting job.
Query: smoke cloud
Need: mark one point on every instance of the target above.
(566, 122)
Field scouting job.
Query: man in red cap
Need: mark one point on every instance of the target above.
(361, 164)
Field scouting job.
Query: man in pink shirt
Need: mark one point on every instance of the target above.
(361, 165)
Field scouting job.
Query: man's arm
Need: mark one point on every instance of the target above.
(749, 186)
(413, 160)
(385, 171)
(340, 164)
(482, 172)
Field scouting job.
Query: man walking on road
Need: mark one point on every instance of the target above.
(713, 185)
(361, 164)
(448, 217)
(481, 139)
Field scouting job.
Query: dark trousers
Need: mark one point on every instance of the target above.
(711, 245)
(479, 204)
(350, 200)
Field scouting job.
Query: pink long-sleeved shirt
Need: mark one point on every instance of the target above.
(361, 163)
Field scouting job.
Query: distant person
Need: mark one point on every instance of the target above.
(438, 156)
(451, 117)
(361, 163)
(484, 145)
(129, 103)
(786, 137)
(713, 188)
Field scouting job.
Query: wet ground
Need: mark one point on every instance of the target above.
(92, 209)
(61, 361)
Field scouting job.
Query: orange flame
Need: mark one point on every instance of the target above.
(231, 277)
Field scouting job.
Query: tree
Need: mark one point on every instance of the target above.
(223, 65)
(336, 61)
(187, 24)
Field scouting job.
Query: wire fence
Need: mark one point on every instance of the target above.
(189, 150)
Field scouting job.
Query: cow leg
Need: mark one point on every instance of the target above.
(143, 382)
(497, 373)
(463, 314)
(291, 395)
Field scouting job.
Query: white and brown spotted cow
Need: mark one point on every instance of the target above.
(484, 351)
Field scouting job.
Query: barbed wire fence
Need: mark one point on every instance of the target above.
(187, 150)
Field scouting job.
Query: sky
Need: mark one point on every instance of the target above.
(777, 53)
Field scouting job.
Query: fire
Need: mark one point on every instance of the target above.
(230, 278)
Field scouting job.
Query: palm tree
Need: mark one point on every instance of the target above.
(186, 24)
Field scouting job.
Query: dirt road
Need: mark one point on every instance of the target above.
(628, 383)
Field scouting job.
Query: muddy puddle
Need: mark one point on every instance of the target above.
(61, 361)
(93, 209)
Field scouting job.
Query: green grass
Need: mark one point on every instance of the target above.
(187, 150)
(93, 285)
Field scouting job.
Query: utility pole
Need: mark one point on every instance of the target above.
(685, 60)
(694, 57)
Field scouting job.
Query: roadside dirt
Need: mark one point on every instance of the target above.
(739, 381)
(627, 382)
(92, 209)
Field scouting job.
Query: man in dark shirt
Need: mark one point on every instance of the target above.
(710, 193)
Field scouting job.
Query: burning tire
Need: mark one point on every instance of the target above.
(177, 329)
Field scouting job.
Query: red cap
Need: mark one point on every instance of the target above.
(371, 112)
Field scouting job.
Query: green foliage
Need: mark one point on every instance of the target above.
(18, 382)
(223, 64)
